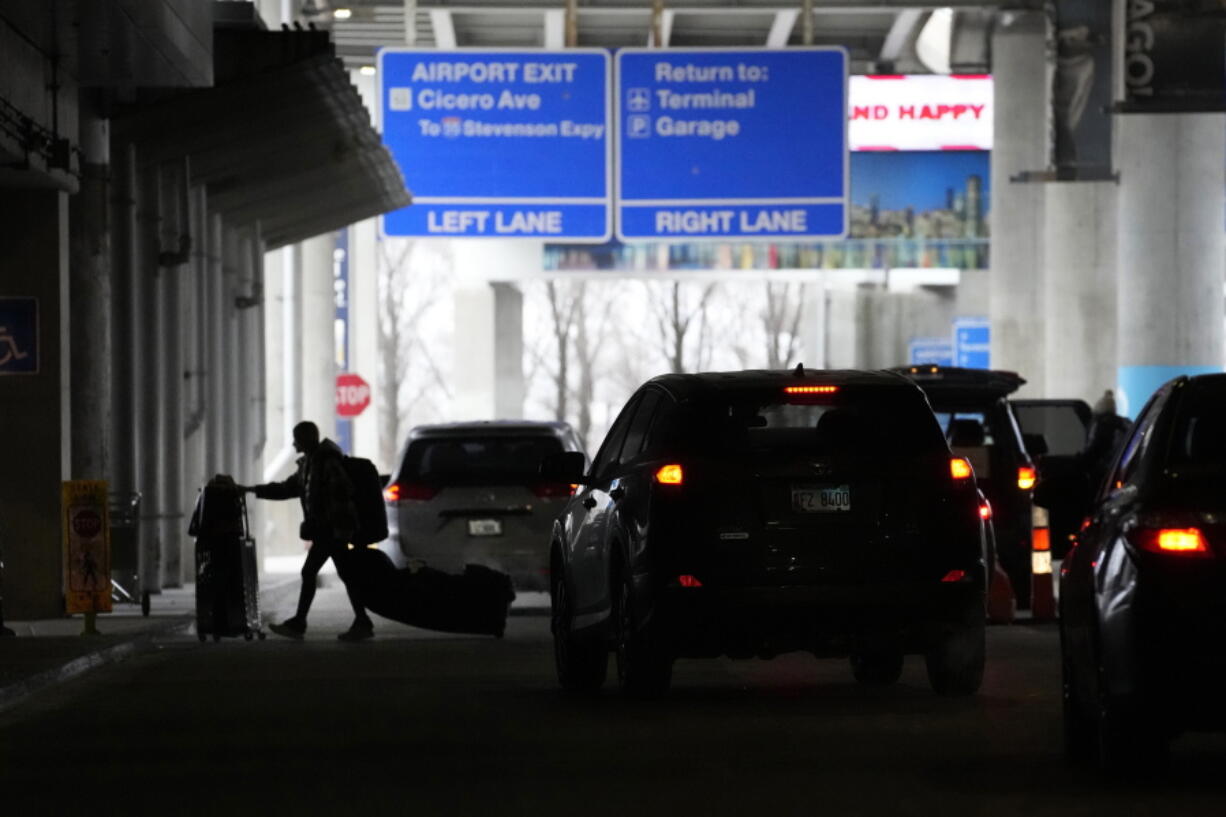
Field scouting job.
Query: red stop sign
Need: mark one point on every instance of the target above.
(352, 395)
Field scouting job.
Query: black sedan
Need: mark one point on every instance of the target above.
(754, 513)
(1143, 591)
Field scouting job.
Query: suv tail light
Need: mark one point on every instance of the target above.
(410, 490)
(553, 490)
(1026, 477)
(671, 474)
(960, 468)
(1173, 541)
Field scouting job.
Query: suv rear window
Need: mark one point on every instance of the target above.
(487, 460)
(888, 424)
(1198, 444)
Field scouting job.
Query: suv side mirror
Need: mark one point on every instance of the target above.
(1036, 444)
(566, 466)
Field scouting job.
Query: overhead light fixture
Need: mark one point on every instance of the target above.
(367, 70)
(342, 14)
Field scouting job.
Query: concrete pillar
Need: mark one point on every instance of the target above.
(35, 407)
(232, 365)
(1021, 136)
(489, 341)
(364, 334)
(318, 351)
(147, 363)
(195, 355)
(813, 323)
(1172, 205)
(1079, 289)
(173, 268)
(125, 249)
(90, 304)
(841, 323)
(216, 365)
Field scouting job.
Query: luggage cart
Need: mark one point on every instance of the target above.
(125, 550)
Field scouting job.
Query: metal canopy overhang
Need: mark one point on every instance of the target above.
(290, 146)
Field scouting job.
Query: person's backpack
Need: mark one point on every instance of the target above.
(367, 500)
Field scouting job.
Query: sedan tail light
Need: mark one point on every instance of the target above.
(418, 491)
(1173, 541)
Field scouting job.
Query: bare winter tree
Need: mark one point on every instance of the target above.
(401, 345)
(781, 318)
(675, 316)
(591, 331)
(564, 300)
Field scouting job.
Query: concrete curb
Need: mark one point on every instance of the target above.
(272, 595)
(18, 691)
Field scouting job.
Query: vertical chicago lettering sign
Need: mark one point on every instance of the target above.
(87, 547)
(499, 143)
(1173, 56)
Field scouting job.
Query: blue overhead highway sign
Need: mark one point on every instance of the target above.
(499, 143)
(740, 143)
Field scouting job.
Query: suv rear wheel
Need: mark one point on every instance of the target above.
(955, 661)
(643, 668)
(582, 661)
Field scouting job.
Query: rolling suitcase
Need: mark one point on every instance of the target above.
(476, 601)
(227, 582)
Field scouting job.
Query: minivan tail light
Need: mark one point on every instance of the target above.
(1026, 477)
(671, 474)
(418, 491)
(554, 490)
(1174, 541)
(960, 468)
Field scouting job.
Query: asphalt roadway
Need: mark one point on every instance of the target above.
(426, 724)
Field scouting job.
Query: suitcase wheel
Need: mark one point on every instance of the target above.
(216, 637)
(247, 636)
(201, 636)
(262, 635)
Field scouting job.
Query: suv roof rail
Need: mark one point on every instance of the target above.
(932, 374)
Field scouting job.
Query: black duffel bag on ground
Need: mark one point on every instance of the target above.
(475, 601)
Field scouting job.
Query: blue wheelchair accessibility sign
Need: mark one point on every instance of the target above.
(18, 336)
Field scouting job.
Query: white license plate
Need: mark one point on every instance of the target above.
(821, 498)
(484, 527)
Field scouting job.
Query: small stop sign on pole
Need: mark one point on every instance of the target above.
(352, 395)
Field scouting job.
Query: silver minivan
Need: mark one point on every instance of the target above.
(471, 493)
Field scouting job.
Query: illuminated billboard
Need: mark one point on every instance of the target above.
(920, 112)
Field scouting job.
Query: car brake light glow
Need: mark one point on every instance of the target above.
(954, 576)
(960, 468)
(392, 492)
(1026, 477)
(1175, 541)
(413, 490)
(810, 389)
(985, 511)
(1040, 539)
(670, 474)
(688, 581)
(553, 490)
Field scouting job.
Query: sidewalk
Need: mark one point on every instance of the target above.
(51, 651)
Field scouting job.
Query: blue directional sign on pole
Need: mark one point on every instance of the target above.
(930, 351)
(499, 143)
(972, 343)
(740, 143)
